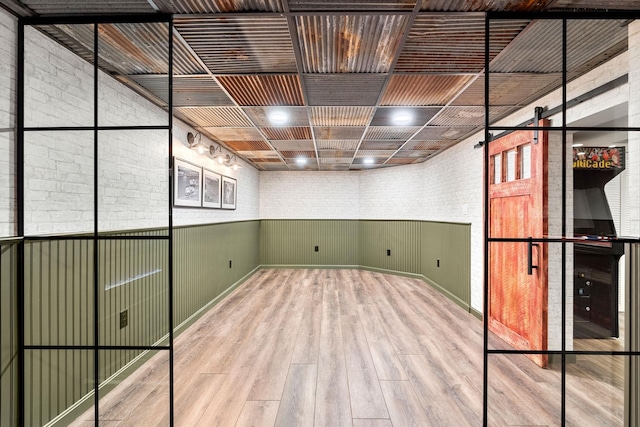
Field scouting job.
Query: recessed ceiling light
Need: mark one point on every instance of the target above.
(612, 146)
(368, 161)
(402, 118)
(301, 161)
(279, 117)
(577, 145)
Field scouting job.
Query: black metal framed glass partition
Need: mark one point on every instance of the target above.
(562, 187)
(94, 258)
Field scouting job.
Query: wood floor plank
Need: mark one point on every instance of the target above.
(298, 400)
(404, 408)
(304, 347)
(442, 400)
(332, 394)
(367, 400)
(191, 401)
(307, 345)
(383, 353)
(360, 422)
(258, 414)
(330, 322)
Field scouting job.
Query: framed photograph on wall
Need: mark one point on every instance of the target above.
(229, 190)
(211, 189)
(187, 189)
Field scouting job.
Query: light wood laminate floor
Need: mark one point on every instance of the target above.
(350, 348)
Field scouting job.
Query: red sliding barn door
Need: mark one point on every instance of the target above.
(518, 270)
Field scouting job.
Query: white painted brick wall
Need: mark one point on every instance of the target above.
(392, 193)
(633, 152)
(8, 26)
(133, 178)
(309, 195)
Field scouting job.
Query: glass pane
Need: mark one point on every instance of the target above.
(512, 165)
(595, 390)
(526, 64)
(133, 179)
(54, 381)
(59, 293)
(58, 83)
(137, 52)
(593, 60)
(497, 169)
(525, 161)
(7, 189)
(134, 303)
(521, 393)
(58, 188)
(137, 397)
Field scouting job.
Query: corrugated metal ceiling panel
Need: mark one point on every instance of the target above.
(509, 89)
(362, 5)
(249, 146)
(340, 145)
(349, 44)
(84, 7)
(234, 134)
(380, 154)
(381, 145)
(296, 154)
(344, 89)
(198, 91)
(339, 133)
(263, 90)
(341, 116)
(216, 116)
(442, 43)
(484, 5)
(234, 44)
(390, 132)
(293, 145)
(422, 90)
(403, 116)
(219, 6)
(442, 132)
(586, 39)
(287, 133)
(336, 155)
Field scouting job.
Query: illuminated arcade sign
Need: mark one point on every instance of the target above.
(599, 158)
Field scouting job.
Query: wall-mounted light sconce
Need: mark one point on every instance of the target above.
(215, 151)
(198, 145)
(232, 162)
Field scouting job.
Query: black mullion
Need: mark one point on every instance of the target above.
(563, 279)
(96, 260)
(170, 202)
(132, 18)
(89, 128)
(19, 192)
(487, 139)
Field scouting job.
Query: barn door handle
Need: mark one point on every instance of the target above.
(530, 257)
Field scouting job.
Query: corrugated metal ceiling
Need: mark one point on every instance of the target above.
(340, 80)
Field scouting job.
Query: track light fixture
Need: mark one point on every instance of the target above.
(214, 151)
(232, 162)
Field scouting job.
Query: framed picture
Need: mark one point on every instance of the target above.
(187, 190)
(229, 191)
(211, 189)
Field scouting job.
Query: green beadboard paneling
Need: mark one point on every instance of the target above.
(415, 248)
(293, 242)
(8, 336)
(132, 276)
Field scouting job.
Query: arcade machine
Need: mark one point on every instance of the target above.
(595, 306)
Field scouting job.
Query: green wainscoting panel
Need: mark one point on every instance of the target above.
(440, 252)
(132, 279)
(8, 335)
(293, 242)
(390, 245)
(201, 262)
(446, 259)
